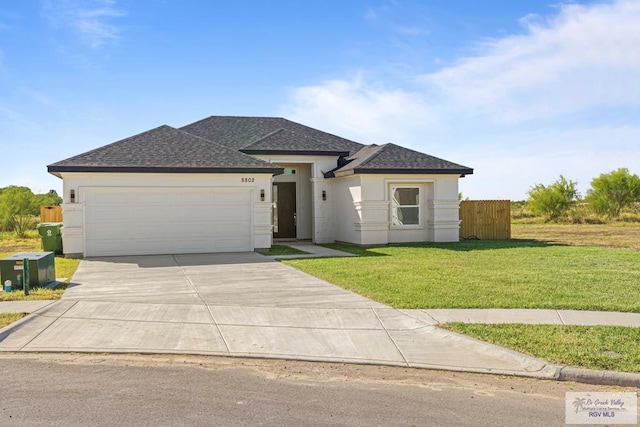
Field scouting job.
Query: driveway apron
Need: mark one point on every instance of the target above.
(244, 304)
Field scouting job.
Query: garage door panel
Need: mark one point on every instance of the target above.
(144, 221)
(151, 198)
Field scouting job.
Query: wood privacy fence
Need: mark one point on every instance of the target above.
(485, 219)
(50, 213)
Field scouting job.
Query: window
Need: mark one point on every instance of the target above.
(288, 171)
(405, 206)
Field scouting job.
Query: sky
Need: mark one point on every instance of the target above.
(521, 91)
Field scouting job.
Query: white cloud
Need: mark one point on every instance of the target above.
(360, 110)
(91, 20)
(561, 98)
(584, 57)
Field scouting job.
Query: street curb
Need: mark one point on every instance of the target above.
(588, 376)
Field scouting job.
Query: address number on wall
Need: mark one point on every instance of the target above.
(248, 179)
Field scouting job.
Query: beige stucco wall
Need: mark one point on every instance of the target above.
(315, 215)
(356, 208)
(363, 209)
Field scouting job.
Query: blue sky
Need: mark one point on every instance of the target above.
(522, 91)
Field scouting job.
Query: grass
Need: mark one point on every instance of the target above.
(8, 318)
(65, 267)
(281, 250)
(487, 274)
(591, 347)
(594, 267)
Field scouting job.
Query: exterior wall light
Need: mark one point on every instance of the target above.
(262, 195)
(72, 196)
(324, 194)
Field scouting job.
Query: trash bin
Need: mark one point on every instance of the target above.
(51, 236)
(42, 269)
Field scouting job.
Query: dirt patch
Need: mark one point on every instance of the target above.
(614, 235)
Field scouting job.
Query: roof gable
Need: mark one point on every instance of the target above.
(393, 159)
(284, 141)
(163, 149)
(240, 132)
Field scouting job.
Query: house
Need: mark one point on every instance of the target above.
(228, 184)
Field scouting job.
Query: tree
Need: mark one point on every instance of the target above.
(48, 199)
(611, 192)
(554, 200)
(17, 207)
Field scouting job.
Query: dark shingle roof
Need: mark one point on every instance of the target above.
(284, 141)
(393, 159)
(223, 144)
(239, 132)
(163, 149)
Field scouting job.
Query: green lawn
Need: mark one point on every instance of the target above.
(487, 274)
(592, 347)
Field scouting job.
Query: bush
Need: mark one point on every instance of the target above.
(612, 192)
(552, 201)
(581, 214)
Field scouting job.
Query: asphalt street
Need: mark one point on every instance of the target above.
(171, 390)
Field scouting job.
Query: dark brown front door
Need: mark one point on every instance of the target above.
(284, 215)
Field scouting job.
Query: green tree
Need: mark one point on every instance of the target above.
(47, 199)
(17, 209)
(611, 192)
(554, 200)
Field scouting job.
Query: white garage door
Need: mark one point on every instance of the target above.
(167, 221)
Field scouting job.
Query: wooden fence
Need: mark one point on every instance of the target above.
(51, 214)
(485, 219)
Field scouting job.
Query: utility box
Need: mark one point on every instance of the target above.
(51, 236)
(42, 269)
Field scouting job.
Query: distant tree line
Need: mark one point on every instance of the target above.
(20, 207)
(610, 194)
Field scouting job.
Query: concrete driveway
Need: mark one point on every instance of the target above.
(244, 304)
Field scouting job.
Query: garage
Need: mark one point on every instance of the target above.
(146, 221)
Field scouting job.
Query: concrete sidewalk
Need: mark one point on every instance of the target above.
(312, 251)
(435, 316)
(23, 306)
(527, 316)
(247, 305)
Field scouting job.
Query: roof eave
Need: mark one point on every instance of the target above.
(56, 170)
(461, 172)
(346, 172)
(297, 152)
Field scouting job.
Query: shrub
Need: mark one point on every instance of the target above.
(612, 192)
(552, 201)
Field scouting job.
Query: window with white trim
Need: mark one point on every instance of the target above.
(405, 206)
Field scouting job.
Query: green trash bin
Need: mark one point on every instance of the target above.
(51, 236)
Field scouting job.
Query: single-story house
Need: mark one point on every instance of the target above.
(226, 184)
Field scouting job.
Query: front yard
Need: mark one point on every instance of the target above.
(487, 274)
(552, 266)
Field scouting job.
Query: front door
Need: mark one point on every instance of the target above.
(284, 212)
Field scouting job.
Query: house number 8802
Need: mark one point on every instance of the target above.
(248, 179)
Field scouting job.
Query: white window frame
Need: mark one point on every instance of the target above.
(393, 206)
